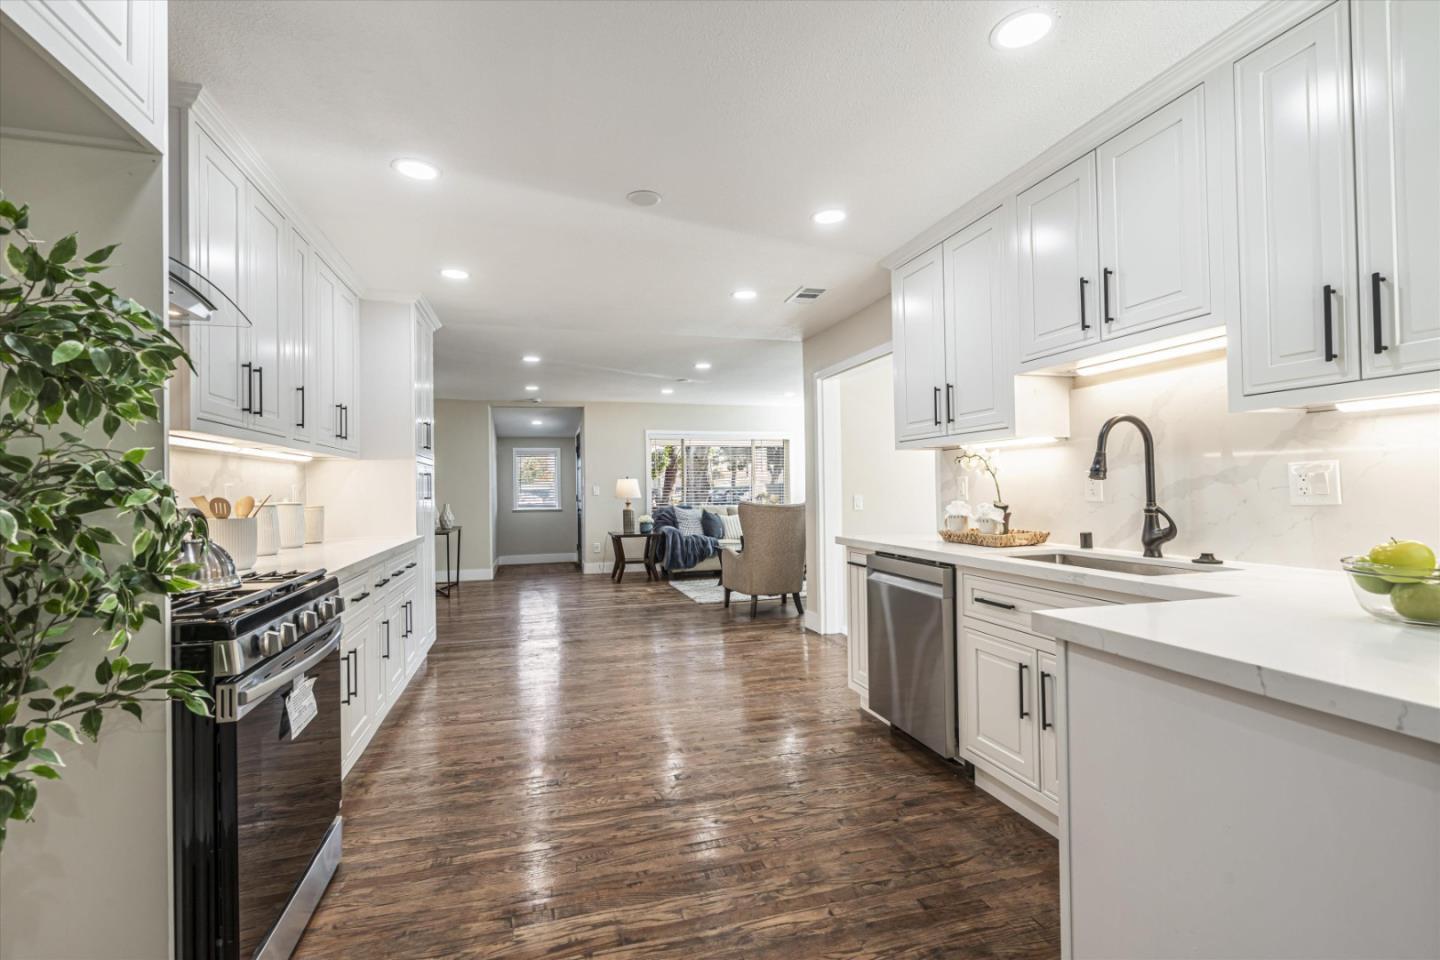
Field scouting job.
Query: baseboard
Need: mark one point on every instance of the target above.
(475, 573)
(1017, 801)
(517, 559)
(812, 621)
(599, 566)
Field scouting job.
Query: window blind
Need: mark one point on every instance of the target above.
(722, 471)
(537, 478)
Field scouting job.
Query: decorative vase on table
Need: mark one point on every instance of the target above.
(447, 518)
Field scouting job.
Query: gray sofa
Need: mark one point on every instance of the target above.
(712, 565)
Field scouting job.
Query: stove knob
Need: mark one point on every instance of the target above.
(330, 609)
(270, 643)
(309, 620)
(289, 634)
(339, 604)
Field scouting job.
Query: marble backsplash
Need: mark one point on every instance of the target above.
(1222, 476)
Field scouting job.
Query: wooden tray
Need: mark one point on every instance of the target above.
(1015, 538)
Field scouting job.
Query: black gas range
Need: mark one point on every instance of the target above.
(257, 785)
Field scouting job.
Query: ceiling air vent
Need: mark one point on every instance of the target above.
(805, 295)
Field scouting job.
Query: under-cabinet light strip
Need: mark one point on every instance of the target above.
(215, 446)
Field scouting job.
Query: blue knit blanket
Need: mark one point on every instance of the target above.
(682, 552)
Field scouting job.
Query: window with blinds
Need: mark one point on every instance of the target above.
(723, 471)
(537, 478)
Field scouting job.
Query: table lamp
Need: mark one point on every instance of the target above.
(627, 489)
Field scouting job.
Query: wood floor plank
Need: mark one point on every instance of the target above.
(586, 769)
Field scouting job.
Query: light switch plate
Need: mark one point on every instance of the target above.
(857, 502)
(1094, 491)
(595, 490)
(1315, 483)
(964, 488)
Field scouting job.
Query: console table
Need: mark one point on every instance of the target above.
(443, 589)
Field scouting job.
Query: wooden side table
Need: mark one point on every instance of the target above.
(444, 589)
(622, 560)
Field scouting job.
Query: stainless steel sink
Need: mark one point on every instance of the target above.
(1143, 568)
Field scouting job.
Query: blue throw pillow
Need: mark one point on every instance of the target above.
(712, 524)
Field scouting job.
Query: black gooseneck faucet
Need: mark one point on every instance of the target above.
(1153, 534)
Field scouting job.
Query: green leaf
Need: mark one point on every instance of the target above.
(133, 709)
(67, 350)
(64, 730)
(142, 541)
(104, 672)
(47, 755)
(136, 454)
(41, 770)
(64, 250)
(90, 722)
(101, 255)
(8, 526)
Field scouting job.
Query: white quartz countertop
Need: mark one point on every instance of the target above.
(1287, 633)
(336, 556)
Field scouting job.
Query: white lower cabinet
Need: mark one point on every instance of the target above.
(998, 704)
(1048, 687)
(358, 693)
(858, 618)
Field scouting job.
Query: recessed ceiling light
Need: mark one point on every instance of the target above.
(827, 217)
(415, 169)
(667, 390)
(744, 294)
(530, 358)
(537, 423)
(703, 365)
(1021, 29)
(643, 198)
(455, 273)
(531, 387)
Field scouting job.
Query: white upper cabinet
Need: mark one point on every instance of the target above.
(979, 284)
(113, 49)
(220, 393)
(424, 387)
(1055, 235)
(1295, 190)
(918, 324)
(346, 361)
(299, 343)
(263, 267)
(1397, 152)
(1154, 230)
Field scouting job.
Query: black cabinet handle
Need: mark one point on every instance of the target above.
(301, 424)
(345, 419)
(249, 383)
(260, 372)
(396, 573)
(410, 564)
(355, 673)
(381, 583)
(345, 681)
(1329, 295)
(949, 401)
(1083, 324)
(937, 406)
(1045, 723)
(1020, 675)
(386, 654)
(339, 433)
(1375, 281)
(1106, 274)
(995, 603)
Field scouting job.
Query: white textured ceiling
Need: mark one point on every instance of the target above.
(748, 117)
(520, 421)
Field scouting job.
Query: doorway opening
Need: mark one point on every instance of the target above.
(539, 485)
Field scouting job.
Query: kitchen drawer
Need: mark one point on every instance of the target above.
(357, 593)
(1010, 604)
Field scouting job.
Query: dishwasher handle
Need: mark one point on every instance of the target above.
(907, 583)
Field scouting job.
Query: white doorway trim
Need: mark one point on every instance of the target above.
(831, 612)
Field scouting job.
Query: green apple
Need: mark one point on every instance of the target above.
(1403, 556)
(1373, 584)
(1417, 601)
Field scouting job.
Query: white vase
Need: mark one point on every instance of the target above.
(447, 517)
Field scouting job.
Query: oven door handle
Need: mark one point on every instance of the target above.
(247, 697)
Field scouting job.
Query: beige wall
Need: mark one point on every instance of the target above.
(90, 877)
(533, 532)
(464, 452)
(897, 486)
(614, 438)
(866, 330)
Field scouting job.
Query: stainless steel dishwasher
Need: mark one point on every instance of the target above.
(911, 642)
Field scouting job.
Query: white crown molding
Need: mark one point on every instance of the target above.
(1253, 31)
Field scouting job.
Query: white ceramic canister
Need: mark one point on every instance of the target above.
(237, 535)
(292, 524)
(268, 538)
(314, 524)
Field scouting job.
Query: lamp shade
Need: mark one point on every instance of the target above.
(627, 488)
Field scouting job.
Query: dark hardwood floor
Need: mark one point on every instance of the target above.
(587, 769)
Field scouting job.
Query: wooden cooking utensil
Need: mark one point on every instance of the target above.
(203, 505)
(220, 507)
(256, 511)
(244, 506)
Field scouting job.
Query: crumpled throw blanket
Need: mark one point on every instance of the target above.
(680, 552)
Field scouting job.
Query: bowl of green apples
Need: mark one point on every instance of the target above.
(1397, 581)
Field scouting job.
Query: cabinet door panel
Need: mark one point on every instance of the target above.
(1296, 198)
(220, 345)
(998, 697)
(392, 648)
(1055, 233)
(1047, 688)
(1397, 150)
(1154, 232)
(347, 359)
(262, 268)
(917, 316)
(326, 408)
(299, 340)
(980, 393)
(357, 693)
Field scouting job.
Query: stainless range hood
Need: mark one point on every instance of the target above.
(195, 299)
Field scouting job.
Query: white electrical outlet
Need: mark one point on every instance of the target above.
(1315, 483)
(857, 502)
(594, 548)
(595, 490)
(964, 491)
(1094, 490)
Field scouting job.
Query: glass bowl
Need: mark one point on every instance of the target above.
(1394, 594)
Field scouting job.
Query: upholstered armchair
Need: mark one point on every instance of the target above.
(772, 560)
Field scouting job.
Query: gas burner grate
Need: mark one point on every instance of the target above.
(256, 590)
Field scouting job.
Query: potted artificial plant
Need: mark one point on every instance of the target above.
(89, 536)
